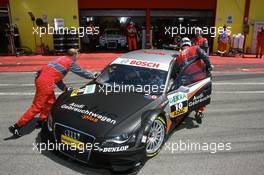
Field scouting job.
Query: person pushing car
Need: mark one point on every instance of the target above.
(188, 56)
(49, 76)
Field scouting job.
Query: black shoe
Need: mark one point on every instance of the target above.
(198, 117)
(40, 124)
(14, 129)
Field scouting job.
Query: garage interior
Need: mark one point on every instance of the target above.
(159, 19)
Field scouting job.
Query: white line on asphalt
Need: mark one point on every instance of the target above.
(58, 93)
(239, 83)
(29, 85)
(16, 84)
(238, 92)
(219, 83)
(21, 93)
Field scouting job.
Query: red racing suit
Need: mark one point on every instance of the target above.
(197, 59)
(260, 44)
(202, 42)
(51, 74)
(132, 37)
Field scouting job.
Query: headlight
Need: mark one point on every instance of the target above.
(123, 40)
(50, 122)
(120, 140)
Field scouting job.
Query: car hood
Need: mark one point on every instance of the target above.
(106, 36)
(98, 113)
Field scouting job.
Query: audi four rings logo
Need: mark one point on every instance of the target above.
(72, 134)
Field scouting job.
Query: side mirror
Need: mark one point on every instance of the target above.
(184, 89)
(96, 74)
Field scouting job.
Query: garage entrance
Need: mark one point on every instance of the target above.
(113, 26)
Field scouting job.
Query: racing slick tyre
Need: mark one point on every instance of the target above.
(156, 137)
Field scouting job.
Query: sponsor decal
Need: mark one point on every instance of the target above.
(72, 142)
(155, 53)
(177, 97)
(74, 93)
(145, 63)
(144, 139)
(89, 89)
(178, 104)
(181, 110)
(80, 109)
(114, 149)
(141, 63)
(199, 99)
(89, 118)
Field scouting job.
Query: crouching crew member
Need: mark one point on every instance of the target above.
(192, 53)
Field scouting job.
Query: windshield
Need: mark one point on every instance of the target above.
(149, 80)
(112, 32)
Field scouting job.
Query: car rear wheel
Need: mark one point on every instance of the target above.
(156, 137)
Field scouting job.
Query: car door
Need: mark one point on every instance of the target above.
(191, 89)
(177, 94)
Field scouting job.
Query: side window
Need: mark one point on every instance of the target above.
(174, 72)
(193, 73)
(173, 77)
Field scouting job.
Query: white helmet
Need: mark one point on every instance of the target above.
(198, 31)
(185, 42)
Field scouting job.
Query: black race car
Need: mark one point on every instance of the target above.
(123, 117)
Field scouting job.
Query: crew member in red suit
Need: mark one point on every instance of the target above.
(132, 36)
(200, 40)
(223, 40)
(45, 80)
(260, 43)
(197, 55)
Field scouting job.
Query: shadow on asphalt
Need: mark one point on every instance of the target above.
(187, 123)
(27, 129)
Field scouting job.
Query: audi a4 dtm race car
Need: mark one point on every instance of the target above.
(125, 115)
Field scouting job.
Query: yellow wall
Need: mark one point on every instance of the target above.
(68, 8)
(227, 8)
(52, 8)
(256, 14)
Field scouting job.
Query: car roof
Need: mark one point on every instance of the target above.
(108, 29)
(154, 55)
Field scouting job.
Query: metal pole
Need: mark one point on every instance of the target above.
(245, 20)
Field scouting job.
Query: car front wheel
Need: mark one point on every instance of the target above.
(156, 137)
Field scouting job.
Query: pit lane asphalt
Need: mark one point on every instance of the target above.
(235, 115)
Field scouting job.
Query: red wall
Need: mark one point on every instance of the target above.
(158, 4)
(3, 3)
